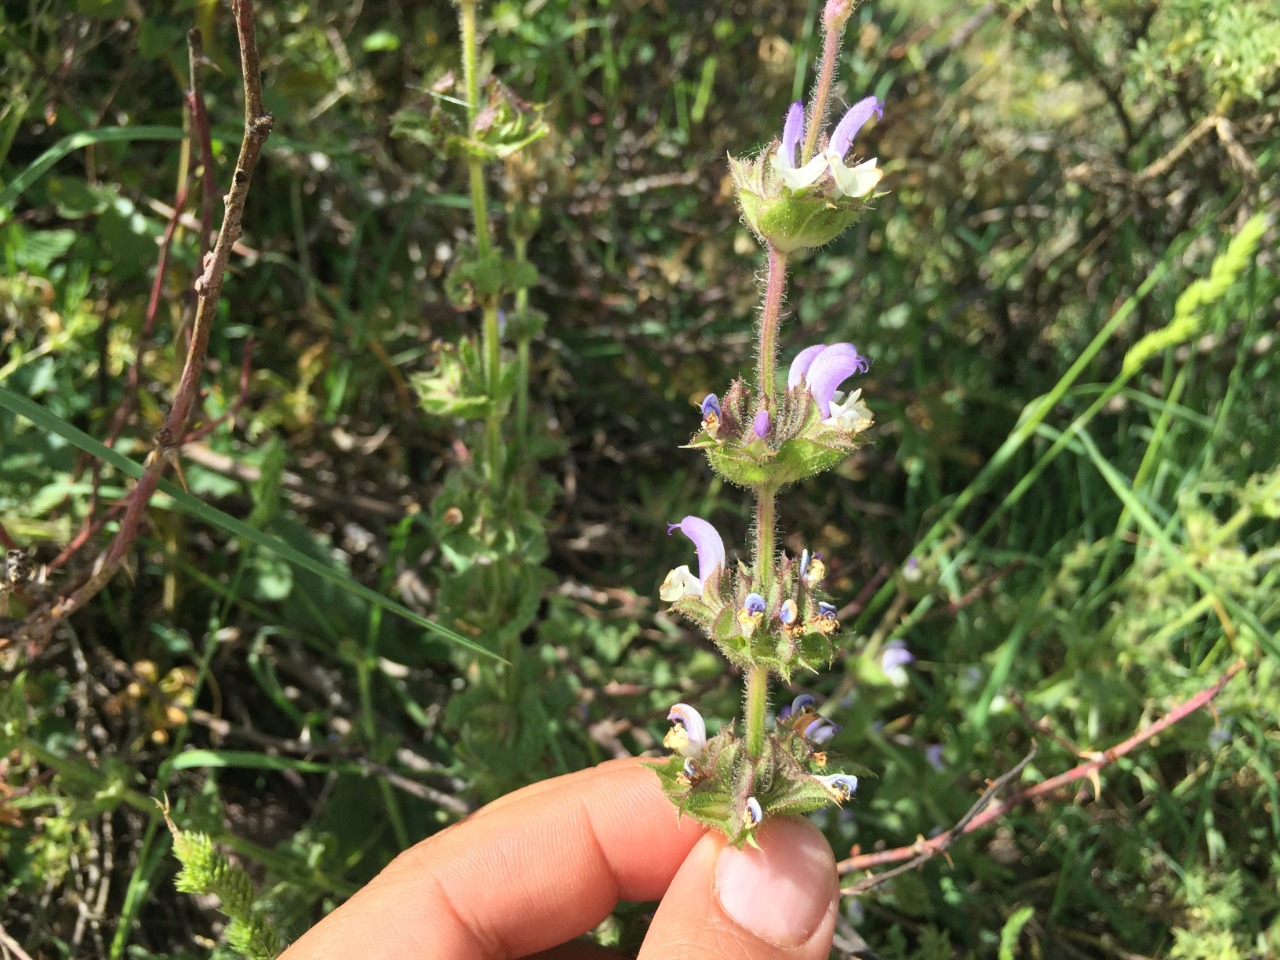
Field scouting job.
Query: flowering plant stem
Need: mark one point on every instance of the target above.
(770, 317)
(826, 73)
(480, 214)
(775, 285)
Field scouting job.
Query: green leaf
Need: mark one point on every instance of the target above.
(36, 250)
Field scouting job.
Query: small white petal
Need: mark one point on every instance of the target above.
(850, 415)
(856, 181)
(680, 583)
(798, 178)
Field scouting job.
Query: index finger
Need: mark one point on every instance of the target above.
(532, 870)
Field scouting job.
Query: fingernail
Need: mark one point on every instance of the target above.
(782, 891)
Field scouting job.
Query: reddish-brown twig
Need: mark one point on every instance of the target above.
(41, 622)
(987, 809)
(246, 367)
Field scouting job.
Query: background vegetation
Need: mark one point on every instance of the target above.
(1076, 445)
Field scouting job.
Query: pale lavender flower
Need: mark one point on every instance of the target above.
(856, 181)
(933, 756)
(761, 424)
(820, 731)
(801, 703)
(800, 716)
(688, 733)
(895, 660)
(711, 560)
(830, 368)
(911, 572)
(860, 179)
(788, 612)
(752, 815)
(800, 365)
(711, 414)
(784, 161)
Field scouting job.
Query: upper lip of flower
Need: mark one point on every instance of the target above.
(708, 544)
(823, 368)
(690, 721)
(784, 164)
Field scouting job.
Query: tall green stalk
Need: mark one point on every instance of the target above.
(480, 214)
(757, 694)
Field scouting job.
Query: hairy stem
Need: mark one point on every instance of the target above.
(758, 678)
(521, 247)
(480, 215)
(757, 702)
(770, 315)
(821, 93)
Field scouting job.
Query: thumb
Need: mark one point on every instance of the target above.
(777, 901)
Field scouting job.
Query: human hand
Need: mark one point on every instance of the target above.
(545, 864)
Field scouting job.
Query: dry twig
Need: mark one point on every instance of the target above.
(985, 810)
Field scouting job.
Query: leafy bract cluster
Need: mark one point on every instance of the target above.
(811, 428)
(720, 785)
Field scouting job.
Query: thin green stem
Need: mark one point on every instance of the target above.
(471, 76)
(480, 215)
(757, 703)
(765, 524)
(775, 286)
(520, 246)
(758, 677)
(493, 367)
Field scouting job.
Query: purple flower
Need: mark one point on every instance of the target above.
(711, 559)
(820, 731)
(911, 572)
(823, 368)
(784, 161)
(800, 716)
(895, 660)
(933, 755)
(711, 414)
(752, 814)
(830, 368)
(827, 611)
(842, 785)
(800, 365)
(752, 613)
(797, 706)
(856, 181)
(860, 179)
(688, 733)
(788, 612)
(761, 424)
